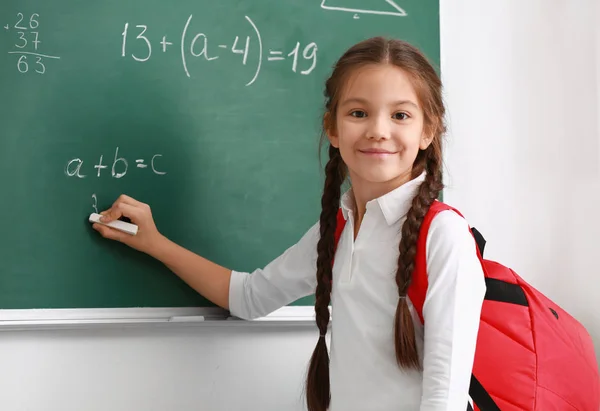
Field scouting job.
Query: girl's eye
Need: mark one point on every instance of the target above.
(400, 116)
(358, 113)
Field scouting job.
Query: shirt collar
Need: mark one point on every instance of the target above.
(393, 205)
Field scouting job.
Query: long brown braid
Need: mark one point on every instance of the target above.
(318, 372)
(404, 331)
(377, 50)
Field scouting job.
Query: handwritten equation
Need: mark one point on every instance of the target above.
(27, 44)
(200, 47)
(119, 167)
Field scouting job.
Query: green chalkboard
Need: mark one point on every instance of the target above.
(209, 111)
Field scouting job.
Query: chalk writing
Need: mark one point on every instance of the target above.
(201, 47)
(95, 203)
(27, 44)
(118, 169)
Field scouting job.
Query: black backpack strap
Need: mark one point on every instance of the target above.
(480, 396)
(479, 240)
(499, 291)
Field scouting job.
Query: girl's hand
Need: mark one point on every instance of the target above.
(147, 236)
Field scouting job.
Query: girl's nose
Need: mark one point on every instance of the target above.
(379, 128)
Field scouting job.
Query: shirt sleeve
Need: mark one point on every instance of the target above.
(290, 276)
(451, 313)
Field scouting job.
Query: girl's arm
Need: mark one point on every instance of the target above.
(207, 278)
(290, 276)
(451, 313)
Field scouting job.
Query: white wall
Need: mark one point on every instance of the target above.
(523, 155)
(524, 104)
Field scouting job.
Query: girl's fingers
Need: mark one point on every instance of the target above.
(114, 212)
(111, 214)
(121, 210)
(106, 215)
(123, 198)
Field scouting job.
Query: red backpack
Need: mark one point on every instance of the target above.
(531, 354)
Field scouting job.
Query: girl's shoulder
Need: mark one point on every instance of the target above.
(450, 229)
(451, 251)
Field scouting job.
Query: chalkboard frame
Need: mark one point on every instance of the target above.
(86, 318)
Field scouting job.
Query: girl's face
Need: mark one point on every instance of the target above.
(379, 126)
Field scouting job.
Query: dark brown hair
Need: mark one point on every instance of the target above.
(427, 84)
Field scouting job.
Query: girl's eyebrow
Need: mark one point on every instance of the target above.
(354, 100)
(362, 101)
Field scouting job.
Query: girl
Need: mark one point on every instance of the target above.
(384, 124)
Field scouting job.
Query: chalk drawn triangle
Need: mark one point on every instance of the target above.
(396, 10)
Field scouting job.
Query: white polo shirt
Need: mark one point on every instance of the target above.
(363, 370)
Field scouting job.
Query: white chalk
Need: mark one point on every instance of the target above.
(117, 224)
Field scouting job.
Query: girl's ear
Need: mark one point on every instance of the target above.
(425, 141)
(330, 130)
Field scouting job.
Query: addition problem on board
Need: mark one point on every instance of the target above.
(27, 47)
